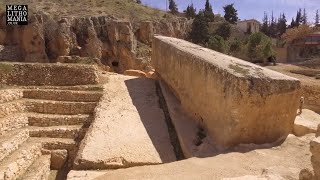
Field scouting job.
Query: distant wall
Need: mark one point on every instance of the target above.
(282, 54)
(236, 101)
(31, 74)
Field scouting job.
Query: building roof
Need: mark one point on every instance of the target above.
(250, 20)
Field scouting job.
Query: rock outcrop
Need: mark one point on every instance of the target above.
(111, 40)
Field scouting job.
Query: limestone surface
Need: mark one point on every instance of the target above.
(315, 159)
(129, 128)
(305, 123)
(236, 101)
(271, 161)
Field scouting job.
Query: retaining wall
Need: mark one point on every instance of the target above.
(34, 74)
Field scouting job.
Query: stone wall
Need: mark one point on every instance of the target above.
(29, 74)
(10, 105)
(236, 101)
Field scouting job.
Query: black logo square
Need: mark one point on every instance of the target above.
(17, 14)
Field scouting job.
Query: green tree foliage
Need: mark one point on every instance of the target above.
(259, 47)
(173, 6)
(224, 30)
(217, 43)
(200, 30)
(292, 24)
(265, 24)
(304, 17)
(299, 18)
(235, 46)
(317, 18)
(190, 12)
(208, 12)
(230, 14)
(281, 25)
(273, 27)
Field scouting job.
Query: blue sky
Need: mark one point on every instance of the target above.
(248, 9)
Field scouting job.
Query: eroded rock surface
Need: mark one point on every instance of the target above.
(129, 128)
(235, 101)
(305, 123)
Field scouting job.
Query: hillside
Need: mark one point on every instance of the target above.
(124, 9)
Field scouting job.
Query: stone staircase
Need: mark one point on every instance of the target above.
(37, 121)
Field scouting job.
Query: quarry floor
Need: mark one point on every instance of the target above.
(131, 140)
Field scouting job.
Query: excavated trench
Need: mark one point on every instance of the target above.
(72, 153)
(171, 129)
(57, 119)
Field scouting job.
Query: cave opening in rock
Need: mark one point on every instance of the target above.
(115, 64)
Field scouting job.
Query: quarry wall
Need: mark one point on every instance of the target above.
(29, 74)
(235, 101)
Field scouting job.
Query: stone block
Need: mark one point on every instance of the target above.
(236, 101)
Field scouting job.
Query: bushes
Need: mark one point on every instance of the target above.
(259, 47)
(217, 43)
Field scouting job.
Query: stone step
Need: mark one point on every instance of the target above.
(14, 165)
(62, 95)
(12, 122)
(56, 143)
(60, 107)
(72, 132)
(44, 120)
(7, 95)
(11, 141)
(39, 170)
(11, 107)
(74, 88)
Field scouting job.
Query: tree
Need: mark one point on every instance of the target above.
(208, 12)
(273, 27)
(282, 25)
(299, 18)
(224, 30)
(217, 43)
(190, 12)
(173, 6)
(265, 24)
(293, 23)
(259, 47)
(208, 6)
(139, 1)
(296, 33)
(200, 30)
(230, 14)
(317, 18)
(304, 17)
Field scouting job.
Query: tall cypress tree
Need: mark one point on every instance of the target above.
(273, 26)
(282, 25)
(200, 29)
(173, 6)
(317, 18)
(265, 24)
(299, 18)
(190, 12)
(208, 12)
(304, 17)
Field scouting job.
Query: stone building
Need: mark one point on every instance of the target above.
(249, 26)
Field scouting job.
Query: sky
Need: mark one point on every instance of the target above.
(248, 9)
